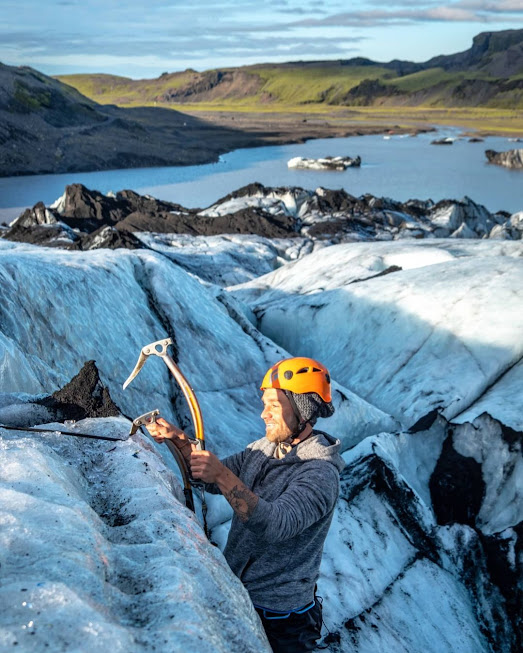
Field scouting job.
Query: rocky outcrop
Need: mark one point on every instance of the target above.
(87, 219)
(84, 396)
(41, 226)
(211, 84)
(498, 53)
(326, 163)
(508, 159)
(108, 238)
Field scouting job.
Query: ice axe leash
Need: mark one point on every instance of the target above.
(159, 348)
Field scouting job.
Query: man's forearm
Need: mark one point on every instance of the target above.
(242, 500)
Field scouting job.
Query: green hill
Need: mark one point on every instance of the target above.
(489, 74)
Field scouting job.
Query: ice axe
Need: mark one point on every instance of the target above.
(159, 348)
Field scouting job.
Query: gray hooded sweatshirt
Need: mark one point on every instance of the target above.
(277, 552)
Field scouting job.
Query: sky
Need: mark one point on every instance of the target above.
(144, 39)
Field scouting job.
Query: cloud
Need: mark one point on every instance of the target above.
(228, 32)
(262, 46)
(410, 11)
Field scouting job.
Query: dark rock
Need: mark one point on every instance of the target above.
(47, 236)
(456, 487)
(509, 159)
(40, 226)
(336, 201)
(160, 223)
(332, 215)
(498, 53)
(108, 238)
(87, 210)
(38, 215)
(504, 553)
(250, 220)
(424, 423)
(84, 396)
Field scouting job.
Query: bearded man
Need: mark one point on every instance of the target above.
(283, 489)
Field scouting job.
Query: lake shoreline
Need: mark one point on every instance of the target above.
(208, 134)
(233, 131)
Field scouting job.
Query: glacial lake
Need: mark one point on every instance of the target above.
(400, 167)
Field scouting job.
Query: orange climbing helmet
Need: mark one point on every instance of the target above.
(299, 375)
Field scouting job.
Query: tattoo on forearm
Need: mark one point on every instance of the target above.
(242, 500)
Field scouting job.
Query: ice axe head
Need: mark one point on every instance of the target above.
(158, 348)
(143, 420)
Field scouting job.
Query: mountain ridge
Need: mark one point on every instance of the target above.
(489, 73)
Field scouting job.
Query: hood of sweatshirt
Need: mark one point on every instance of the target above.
(318, 446)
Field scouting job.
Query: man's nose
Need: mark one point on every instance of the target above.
(264, 412)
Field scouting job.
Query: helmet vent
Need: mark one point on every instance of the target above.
(303, 370)
(315, 369)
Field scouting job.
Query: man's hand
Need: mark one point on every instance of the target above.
(163, 430)
(206, 467)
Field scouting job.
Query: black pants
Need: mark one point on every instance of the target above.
(296, 633)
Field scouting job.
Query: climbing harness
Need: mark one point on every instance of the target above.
(159, 348)
(273, 615)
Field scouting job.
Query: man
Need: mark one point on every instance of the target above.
(283, 489)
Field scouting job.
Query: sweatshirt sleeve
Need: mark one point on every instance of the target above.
(234, 463)
(309, 497)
